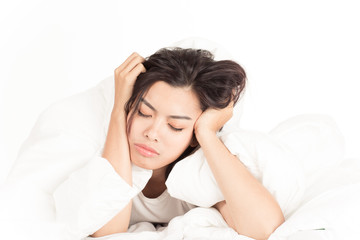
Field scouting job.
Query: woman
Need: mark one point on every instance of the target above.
(165, 107)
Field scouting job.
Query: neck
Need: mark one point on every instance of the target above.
(156, 185)
(158, 175)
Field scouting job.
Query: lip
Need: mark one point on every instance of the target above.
(146, 151)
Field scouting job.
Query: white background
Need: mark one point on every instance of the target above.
(300, 56)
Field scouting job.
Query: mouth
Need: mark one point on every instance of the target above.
(145, 150)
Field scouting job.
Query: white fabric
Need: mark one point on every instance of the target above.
(30, 204)
(66, 141)
(314, 138)
(93, 195)
(65, 137)
(271, 163)
(157, 210)
(198, 223)
(70, 133)
(331, 204)
(280, 160)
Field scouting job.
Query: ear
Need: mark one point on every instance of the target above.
(194, 142)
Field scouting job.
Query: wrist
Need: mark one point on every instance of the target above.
(118, 114)
(119, 106)
(203, 134)
(118, 120)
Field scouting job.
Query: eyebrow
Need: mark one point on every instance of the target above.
(171, 116)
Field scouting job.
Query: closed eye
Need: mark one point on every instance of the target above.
(148, 116)
(175, 129)
(143, 115)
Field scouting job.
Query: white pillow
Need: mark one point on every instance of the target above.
(315, 139)
(334, 213)
(66, 135)
(273, 158)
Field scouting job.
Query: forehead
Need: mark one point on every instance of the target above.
(173, 100)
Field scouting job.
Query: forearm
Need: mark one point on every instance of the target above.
(117, 224)
(116, 151)
(251, 209)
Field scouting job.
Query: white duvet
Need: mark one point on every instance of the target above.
(300, 161)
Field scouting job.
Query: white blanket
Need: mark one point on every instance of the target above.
(71, 133)
(198, 223)
(332, 213)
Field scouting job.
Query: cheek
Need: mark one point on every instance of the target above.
(180, 142)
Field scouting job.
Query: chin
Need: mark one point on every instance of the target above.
(145, 166)
(144, 163)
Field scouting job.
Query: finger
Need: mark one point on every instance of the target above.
(126, 62)
(133, 63)
(136, 71)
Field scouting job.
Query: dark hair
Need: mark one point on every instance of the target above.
(216, 83)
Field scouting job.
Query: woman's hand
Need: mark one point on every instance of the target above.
(211, 120)
(125, 77)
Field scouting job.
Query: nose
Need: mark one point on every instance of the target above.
(152, 132)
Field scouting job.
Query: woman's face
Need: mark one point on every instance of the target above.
(163, 127)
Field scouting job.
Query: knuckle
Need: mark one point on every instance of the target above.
(127, 78)
(117, 70)
(139, 58)
(122, 75)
